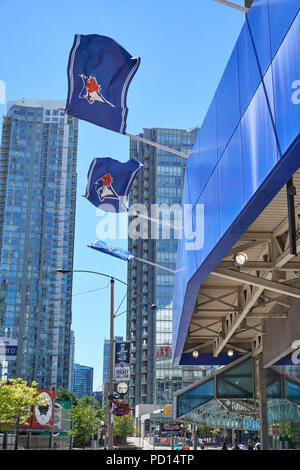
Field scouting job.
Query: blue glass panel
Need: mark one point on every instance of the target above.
(292, 391)
(286, 73)
(258, 22)
(203, 158)
(254, 55)
(258, 139)
(210, 199)
(228, 102)
(231, 182)
(281, 15)
(197, 396)
(236, 382)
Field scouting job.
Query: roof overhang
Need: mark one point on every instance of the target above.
(237, 171)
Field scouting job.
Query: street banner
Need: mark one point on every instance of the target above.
(122, 360)
(8, 349)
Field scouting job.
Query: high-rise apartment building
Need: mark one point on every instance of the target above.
(71, 361)
(153, 379)
(83, 381)
(37, 218)
(106, 356)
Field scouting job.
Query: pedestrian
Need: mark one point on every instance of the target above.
(224, 446)
(250, 446)
(236, 447)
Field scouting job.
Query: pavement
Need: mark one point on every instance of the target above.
(146, 445)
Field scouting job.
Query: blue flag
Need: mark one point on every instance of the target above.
(109, 182)
(99, 245)
(99, 74)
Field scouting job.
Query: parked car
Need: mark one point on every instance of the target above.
(181, 446)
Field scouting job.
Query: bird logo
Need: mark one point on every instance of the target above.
(91, 91)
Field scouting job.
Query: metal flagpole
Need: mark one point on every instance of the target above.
(155, 144)
(155, 265)
(157, 221)
(233, 5)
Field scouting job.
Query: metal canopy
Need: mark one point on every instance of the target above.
(233, 302)
(246, 152)
(228, 397)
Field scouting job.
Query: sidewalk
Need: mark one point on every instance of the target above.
(146, 445)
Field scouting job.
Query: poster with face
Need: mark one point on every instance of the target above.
(43, 414)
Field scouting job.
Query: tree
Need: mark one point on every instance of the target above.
(63, 394)
(205, 431)
(16, 400)
(123, 427)
(86, 419)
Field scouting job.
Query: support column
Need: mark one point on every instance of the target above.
(262, 400)
(195, 437)
(233, 437)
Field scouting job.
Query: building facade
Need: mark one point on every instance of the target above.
(83, 381)
(37, 218)
(71, 360)
(153, 379)
(106, 356)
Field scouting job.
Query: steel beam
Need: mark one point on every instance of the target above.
(260, 282)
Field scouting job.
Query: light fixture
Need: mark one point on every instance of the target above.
(230, 352)
(195, 354)
(240, 258)
(122, 388)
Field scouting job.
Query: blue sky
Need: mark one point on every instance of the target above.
(184, 48)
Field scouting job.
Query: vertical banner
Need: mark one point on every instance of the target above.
(122, 360)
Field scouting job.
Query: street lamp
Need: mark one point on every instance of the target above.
(122, 389)
(111, 349)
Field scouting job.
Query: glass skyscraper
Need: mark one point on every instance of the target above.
(106, 355)
(83, 381)
(37, 218)
(153, 379)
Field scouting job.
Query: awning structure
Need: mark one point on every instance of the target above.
(233, 302)
(228, 397)
(244, 164)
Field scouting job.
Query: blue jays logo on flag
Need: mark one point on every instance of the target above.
(105, 189)
(91, 91)
(100, 245)
(109, 182)
(99, 74)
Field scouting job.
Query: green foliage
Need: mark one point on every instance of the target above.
(290, 431)
(123, 427)
(206, 431)
(62, 394)
(86, 420)
(16, 400)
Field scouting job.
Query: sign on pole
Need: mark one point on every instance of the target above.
(8, 349)
(122, 360)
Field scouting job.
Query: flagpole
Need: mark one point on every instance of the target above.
(233, 5)
(155, 265)
(155, 144)
(157, 221)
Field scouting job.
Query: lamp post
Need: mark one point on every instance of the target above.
(111, 338)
